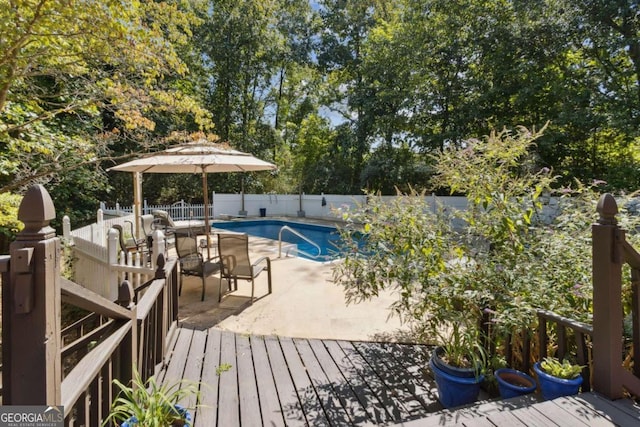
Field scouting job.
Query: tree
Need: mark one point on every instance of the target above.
(64, 65)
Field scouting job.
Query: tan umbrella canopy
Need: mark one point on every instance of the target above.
(199, 156)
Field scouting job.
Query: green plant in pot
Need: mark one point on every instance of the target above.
(149, 404)
(460, 351)
(558, 378)
(458, 366)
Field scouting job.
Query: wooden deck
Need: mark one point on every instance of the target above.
(250, 380)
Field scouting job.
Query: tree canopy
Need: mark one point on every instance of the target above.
(343, 95)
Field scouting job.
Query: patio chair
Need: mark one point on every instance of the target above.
(128, 242)
(146, 224)
(163, 221)
(192, 263)
(233, 249)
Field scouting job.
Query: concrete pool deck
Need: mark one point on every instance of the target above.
(305, 303)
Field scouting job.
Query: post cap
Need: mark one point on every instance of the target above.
(36, 211)
(607, 209)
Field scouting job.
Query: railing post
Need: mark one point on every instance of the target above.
(128, 358)
(159, 246)
(32, 323)
(607, 253)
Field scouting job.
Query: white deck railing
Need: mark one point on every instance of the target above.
(98, 262)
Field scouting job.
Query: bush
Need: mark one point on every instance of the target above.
(522, 245)
(9, 223)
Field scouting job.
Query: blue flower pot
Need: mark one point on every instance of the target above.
(553, 387)
(133, 421)
(512, 383)
(454, 390)
(437, 355)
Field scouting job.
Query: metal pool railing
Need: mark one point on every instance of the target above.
(300, 235)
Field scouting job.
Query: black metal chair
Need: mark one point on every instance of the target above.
(192, 263)
(128, 242)
(233, 249)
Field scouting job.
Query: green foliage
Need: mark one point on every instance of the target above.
(462, 348)
(517, 246)
(224, 367)
(564, 369)
(153, 405)
(9, 223)
(70, 70)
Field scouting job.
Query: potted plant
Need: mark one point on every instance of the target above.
(558, 378)
(148, 404)
(512, 383)
(457, 366)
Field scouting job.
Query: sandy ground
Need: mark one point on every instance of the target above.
(305, 303)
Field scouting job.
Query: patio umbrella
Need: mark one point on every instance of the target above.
(199, 156)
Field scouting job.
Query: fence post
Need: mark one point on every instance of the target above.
(66, 228)
(32, 296)
(607, 253)
(113, 247)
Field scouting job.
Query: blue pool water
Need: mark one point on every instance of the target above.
(324, 236)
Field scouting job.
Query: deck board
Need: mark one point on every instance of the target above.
(193, 369)
(387, 396)
(178, 360)
(394, 377)
(332, 403)
(340, 385)
(366, 396)
(289, 401)
(277, 381)
(267, 393)
(248, 390)
(310, 401)
(228, 400)
(206, 414)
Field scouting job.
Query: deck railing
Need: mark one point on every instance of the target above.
(611, 251)
(75, 366)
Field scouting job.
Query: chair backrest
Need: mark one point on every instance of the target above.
(122, 240)
(186, 244)
(146, 222)
(233, 249)
(163, 218)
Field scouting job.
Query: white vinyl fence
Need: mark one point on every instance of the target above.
(321, 206)
(99, 264)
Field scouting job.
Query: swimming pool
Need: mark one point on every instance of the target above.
(325, 237)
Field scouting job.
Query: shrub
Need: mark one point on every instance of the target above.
(520, 244)
(9, 223)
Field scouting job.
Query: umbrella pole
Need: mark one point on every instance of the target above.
(207, 227)
(137, 199)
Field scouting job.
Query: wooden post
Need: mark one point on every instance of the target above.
(32, 295)
(607, 252)
(129, 356)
